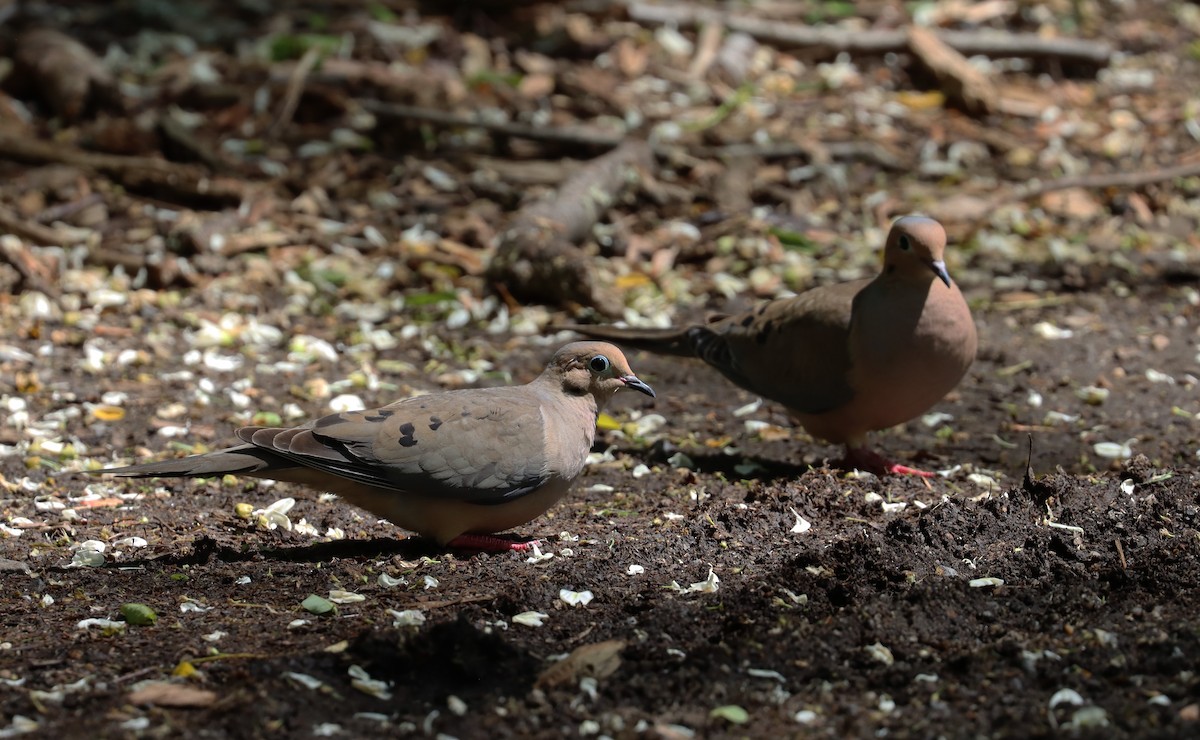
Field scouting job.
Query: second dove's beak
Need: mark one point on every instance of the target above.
(939, 269)
(632, 381)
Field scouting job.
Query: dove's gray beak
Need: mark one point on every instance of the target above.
(631, 381)
(939, 269)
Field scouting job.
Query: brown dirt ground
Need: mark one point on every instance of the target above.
(867, 622)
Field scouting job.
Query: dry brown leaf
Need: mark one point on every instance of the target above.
(959, 79)
(165, 694)
(1072, 203)
(64, 73)
(598, 660)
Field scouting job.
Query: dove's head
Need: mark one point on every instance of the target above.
(598, 368)
(916, 247)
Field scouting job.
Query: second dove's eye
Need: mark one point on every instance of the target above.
(904, 244)
(598, 364)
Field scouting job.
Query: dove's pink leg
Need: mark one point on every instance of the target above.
(489, 543)
(863, 459)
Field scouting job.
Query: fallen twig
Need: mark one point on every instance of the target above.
(35, 274)
(575, 136)
(986, 43)
(1097, 181)
(959, 80)
(537, 258)
(295, 88)
(133, 172)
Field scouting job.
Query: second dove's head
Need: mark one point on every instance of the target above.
(598, 368)
(915, 249)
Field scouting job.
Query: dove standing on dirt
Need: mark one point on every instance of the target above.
(454, 466)
(844, 359)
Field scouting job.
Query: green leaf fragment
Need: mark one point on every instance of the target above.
(318, 605)
(731, 713)
(138, 615)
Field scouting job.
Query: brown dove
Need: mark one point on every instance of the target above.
(844, 359)
(454, 466)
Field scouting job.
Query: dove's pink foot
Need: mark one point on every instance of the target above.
(860, 458)
(489, 543)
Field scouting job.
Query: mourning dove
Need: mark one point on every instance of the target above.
(454, 466)
(844, 359)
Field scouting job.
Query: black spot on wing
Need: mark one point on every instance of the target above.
(380, 415)
(434, 423)
(406, 434)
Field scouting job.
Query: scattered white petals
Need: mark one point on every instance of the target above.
(1046, 330)
(1068, 527)
(407, 618)
(871, 497)
(362, 681)
(538, 556)
(1066, 696)
(1127, 486)
(242, 580)
(388, 581)
(984, 582)
(983, 481)
(305, 680)
(1155, 376)
(346, 402)
(640, 470)
(1058, 417)
(575, 598)
(881, 653)
(1092, 395)
(1034, 399)
(213, 636)
(802, 525)
(298, 623)
(764, 673)
(530, 619)
(936, 418)
(635, 570)
(430, 582)
(1114, 450)
(338, 596)
(647, 424)
(20, 725)
(893, 507)
(457, 706)
(749, 408)
(805, 716)
(104, 624)
(707, 586)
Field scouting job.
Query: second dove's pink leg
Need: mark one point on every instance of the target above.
(489, 543)
(871, 461)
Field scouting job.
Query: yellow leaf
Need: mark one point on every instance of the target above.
(921, 100)
(632, 280)
(185, 669)
(104, 412)
(607, 423)
(718, 442)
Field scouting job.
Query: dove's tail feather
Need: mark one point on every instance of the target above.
(675, 341)
(245, 460)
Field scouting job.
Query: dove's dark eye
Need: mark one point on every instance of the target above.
(904, 243)
(598, 364)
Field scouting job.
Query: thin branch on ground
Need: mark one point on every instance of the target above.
(575, 136)
(538, 258)
(873, 41)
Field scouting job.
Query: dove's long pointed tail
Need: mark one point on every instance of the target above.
(670, 341)
(244, 460)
